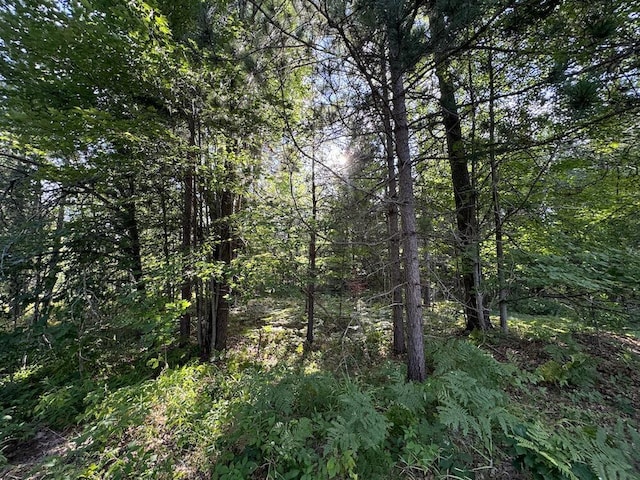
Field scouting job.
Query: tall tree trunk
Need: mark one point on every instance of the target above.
(133, 233)
(426, 283)
(497, 216)
(465, 200)
(225, 255)
(416, 368)
(51, 277)
(16, 291)
(463, 191)
(38, 267)
(187, 232)
(169, 285)
(311, 284)
(215, 320)
(211, 287)
(395, 272)
(207, 332)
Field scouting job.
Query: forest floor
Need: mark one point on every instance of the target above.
(615, 357)
(608, 358)
(602, 387)
(25, 456)
(583, 374)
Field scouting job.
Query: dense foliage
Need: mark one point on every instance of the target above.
(188, 189)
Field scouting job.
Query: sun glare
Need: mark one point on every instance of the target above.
(336, 157)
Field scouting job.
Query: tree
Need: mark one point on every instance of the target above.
(583, 82)
(226, 130)
(360, 28)
(111, 131)
(396, 280)
(463, 189)
(399, 33)
(63, 115)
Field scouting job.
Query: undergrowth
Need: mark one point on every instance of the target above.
(207, 421)
(51, 374)
(311, 415)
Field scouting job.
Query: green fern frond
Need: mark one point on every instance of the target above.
(455, 416)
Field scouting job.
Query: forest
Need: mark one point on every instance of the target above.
(320, 239)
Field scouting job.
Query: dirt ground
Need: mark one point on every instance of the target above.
(25, 456)
(616, 358)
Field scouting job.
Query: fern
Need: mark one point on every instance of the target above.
(572, 453)
(539, 451)
(459, 355)
(415, 398)
(456, 417)
(467, 406)
(608, 460)
(358, 424)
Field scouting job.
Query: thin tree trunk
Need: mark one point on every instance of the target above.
(38, 265)
(427, 290)
(36, 320)
(133, 248)
(207, 331)
(311, 285)
(169, 291)
(16, 291)
(207, 324)
(395, 272)
(51, 277)
(416, 368)
(497, 217)
(225, 256)
(187, 232)
(222, 317)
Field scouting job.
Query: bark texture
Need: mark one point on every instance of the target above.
(497, 217)
(463, 191)
(393, 230)
(311, 284)
(188, 195)
(416, 368)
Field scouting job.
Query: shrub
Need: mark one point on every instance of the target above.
(568, 365)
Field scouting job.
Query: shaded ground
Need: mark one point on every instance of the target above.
(359, 335)
(616, 358)
(23, 457)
